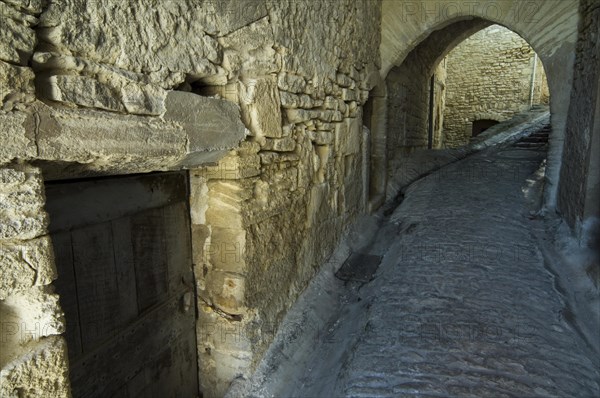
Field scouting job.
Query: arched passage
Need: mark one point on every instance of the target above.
(431, 28)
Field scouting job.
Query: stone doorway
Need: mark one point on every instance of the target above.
(125, 281)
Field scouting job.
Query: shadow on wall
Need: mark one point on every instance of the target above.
(480, 125)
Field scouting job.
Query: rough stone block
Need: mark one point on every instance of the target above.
(289, 100)
(291, 83)
(81, 90)
(234, 167)
(143, 99)
(269, 157)
(344, 80)
(249, 50)
(224, 16)
(350, 95)
(210, 123)
(261, 107)
(286, 144)
(43, 372)
(321, 137)
(200, 242)
(16, 41)
(348, 136)
(89, 135)
(228, 249)
(25, 264)
(29, 6)
(225, 290)
(22, 214)
(16, 85)
(198, 196)
(17, 136)
(109, 33)
(225, 204)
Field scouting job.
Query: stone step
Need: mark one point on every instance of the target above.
(534, 139)
(530, 145)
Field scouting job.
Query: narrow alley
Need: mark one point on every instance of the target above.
(462, 303)
(299, 198)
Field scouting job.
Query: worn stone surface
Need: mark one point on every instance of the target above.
(208, 122)
(22, 203)
(260, 103)
(16, 39)
(132, 36)
(193, 130)
(17, 135)
(25, 264)
(16, 85)
(43, 374)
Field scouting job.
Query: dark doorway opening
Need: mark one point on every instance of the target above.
(125, 280)
(479, 126)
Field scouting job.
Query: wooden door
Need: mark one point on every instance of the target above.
(123, 255)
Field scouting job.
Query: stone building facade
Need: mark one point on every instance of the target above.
(279, 115)
(93, 88)
(490, 76)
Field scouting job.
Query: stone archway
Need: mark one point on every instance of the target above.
(550, 27)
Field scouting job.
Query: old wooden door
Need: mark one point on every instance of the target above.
(123, 255)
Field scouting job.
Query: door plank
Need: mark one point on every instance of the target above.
(97, 290)
(102, 372)
(178, 246)
(149, 252)
(125, 267)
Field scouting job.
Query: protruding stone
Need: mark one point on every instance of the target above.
(291, 83)
(80, 90)
(209, 123)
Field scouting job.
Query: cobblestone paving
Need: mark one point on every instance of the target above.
(462, 304)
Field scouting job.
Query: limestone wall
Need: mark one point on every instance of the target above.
(489, 76)
(32, 351)
(33, 359)
(278, 205)
(112, 87)
(116, 87)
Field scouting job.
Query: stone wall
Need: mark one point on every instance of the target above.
(278, 204)
(117, 87)
(33, 353)
(489, 76)
(579, 191)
